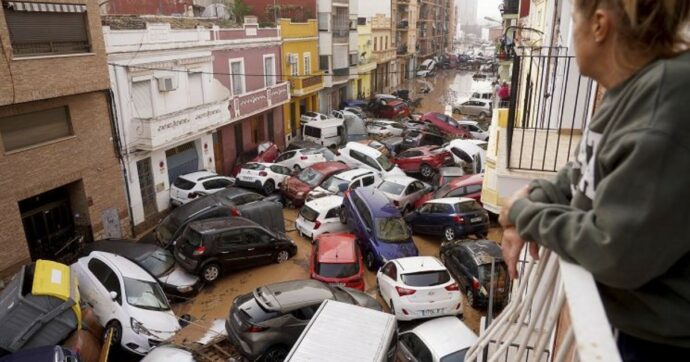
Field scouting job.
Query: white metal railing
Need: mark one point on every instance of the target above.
(535, 324)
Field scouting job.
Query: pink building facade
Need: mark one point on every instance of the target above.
(247, 61)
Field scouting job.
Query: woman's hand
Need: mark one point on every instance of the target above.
(511, 245)
(503, 218)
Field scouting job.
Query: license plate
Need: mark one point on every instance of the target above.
(430, 312)
(245, 178)
(476, 219)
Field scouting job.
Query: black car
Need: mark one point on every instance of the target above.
(159, 262)
(232, 201)
(417, 138)
(210, 247)
(469, 262)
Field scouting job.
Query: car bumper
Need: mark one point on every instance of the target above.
(190, 265)
(140, 344)
(177, 202)
(255, 184)
(305, 230)
(293, 199)
(243, 347)
(181, 292)
(482, 228)
(452, 306)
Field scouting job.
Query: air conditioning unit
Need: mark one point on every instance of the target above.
(167, 84)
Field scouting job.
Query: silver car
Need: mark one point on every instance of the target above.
(267, 322)
(480, 108)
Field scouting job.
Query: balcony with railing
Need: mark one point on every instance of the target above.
(305, 84)
(384, 55)
(555, 314)
(510, 8)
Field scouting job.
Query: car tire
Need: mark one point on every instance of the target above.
(449, 234)
(282, 256)
(269, 187)
(275, 354)
(116, 334)
(210, 272)
(482, 116)
(426, 170)
(370, 261)
(471, 299)
(342, 215)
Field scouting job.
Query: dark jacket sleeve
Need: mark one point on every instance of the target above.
(553, 192)
(639, 225)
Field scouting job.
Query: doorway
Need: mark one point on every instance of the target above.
(148, 193)
(293, 118)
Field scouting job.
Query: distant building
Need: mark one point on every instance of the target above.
(147, 7)
(268, 11)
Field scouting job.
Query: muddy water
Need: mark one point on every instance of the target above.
(447, 88)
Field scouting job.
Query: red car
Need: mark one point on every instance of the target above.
(446, 125)
(264, 152)
(465, 186)
(393, 109)
(424, 160)
(296, 188)
(335, 259)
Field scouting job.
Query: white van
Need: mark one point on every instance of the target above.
(334, 132)
(426, 68)
(345, 332)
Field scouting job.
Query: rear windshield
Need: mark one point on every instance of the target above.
(391, 188)
(159, 262)
(329, 270)
(310, 177)
(183, 184)
(385, 163)
(166, 229)
(312, 131)
(191, 237)
(254, 166)
(426, 279)
(392, 229)
(308, 213)
(500, 272)
(467, 206)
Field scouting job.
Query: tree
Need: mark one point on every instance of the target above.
(241, 10)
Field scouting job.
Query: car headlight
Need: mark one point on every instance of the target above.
(184, 289)
(139, 328)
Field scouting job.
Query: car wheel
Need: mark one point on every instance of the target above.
(456, 111)
(471, 299)
(369, 260)
(116, 329)
(296, 168)
(426, 170)
(275, 354)
(210, 272)
(448, 234)
(282, 256)
(342, 215)
(482, 116)
(269, 187)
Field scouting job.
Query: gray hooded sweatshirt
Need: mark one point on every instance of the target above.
(621, 208)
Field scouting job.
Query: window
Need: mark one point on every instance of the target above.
(390, 271)
(426, 209)
(333, 213)
(353, 59)
(141, 99)
(237, 77)
(460, 191)
(323, 21)
(386, 47)
(376, 43)
(35, 128)
(269, 70)
(442, 209)
(364, 159)
(361, 21)
(307, 63)
(323, 62)
(219, 183)
(416, 347)
(285, 156)
(232, 239)
(106, 277)
(281, 170)
(474, 188)
(341, 22)
(196, 89)
(61, 29)
(312, 132)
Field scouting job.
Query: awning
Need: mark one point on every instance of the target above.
(45, 7)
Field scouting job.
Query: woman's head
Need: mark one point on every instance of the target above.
(630, 32)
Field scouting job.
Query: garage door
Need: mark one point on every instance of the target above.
(181, 160)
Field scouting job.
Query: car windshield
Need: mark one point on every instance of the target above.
(158, 263)
(426, 279)
(183, 184)
(443, 191)
(335, 184)
(391, 188)
(253, 166)
(457, 356)
(393, 229)
(325, 152)
(308, 213)
(146, 295)
(385, 163)
(166, 230)
(310, 177)
(468, 206)
(340, 270)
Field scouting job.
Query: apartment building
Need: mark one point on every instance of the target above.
(384, 53)
(61, 175)
(404, 17)
(432, 28)
(367, 63)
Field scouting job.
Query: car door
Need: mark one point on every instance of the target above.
(261, 246)
(103, 280)
(286, 159)
(438, 218)
(407, 160)
(232, 248)
(463, 269)
(280, 173)
(388, 279)
(421, 221)
(417, 189)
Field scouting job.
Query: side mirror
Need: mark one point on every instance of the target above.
(113, 295)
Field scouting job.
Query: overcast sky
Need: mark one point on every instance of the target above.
(488, 8)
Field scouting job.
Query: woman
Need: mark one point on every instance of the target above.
(621, 208)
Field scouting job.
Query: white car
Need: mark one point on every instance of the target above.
(320, 216)
(169, 353)
(385, 128)
(302, 158)
(126, 299)
(476, 131)
(439, 339)
(347, 180)
(266, 177)
(418, 287)
(469, 152)
(403, 191)
(480, 108)
(188, 187)
(357, 155)
(307, 117)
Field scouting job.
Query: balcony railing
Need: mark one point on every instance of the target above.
(549, 106)
(341, 72)
(510, 7)
(555, 314)
(299, 84)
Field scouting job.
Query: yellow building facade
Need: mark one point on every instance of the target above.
(301, 68)
(366, 63)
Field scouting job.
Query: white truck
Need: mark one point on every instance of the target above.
(344, 332)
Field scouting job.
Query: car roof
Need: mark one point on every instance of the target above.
(400, 180)
(217, 224)
(337, 248)
(328, 166)
(467, 180)
(377, 201)
(445, 335)
(416, 264)
(287, 296)
(450, 200)
(371, 152)
(325, 123)
(325, 203)
(128, 248)
(452, 170)
(198, 175)
(483, 250)
(126, 267)
(351, 174)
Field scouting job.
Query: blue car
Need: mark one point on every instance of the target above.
(451, 217)
(381, 231)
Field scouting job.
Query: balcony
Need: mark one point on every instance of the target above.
(510, 8)
(366, 64)
(383, 56)
(555, 314)
(402, 50)
(341, 75)
(305, 84)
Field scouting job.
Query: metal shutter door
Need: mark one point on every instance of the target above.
(182, 160)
